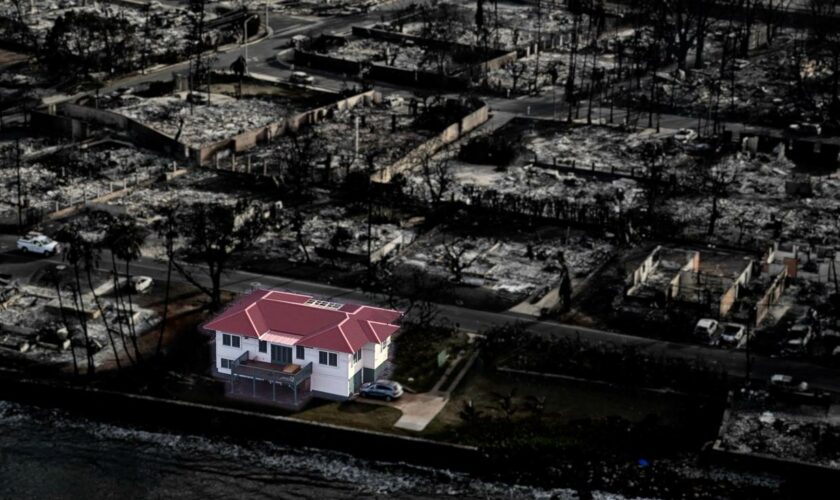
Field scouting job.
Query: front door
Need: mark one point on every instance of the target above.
(281, 355)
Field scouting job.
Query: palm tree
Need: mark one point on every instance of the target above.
(166, 229)
(111, 234)
(53, 277)
(70, 233)
(90, 254)
(124, 238)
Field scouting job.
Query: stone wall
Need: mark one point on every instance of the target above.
(449, 135)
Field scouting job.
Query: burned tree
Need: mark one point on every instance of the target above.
(299, 161)
(437, 176)
(457, 258)
(212, 234)
(716, 182)
(444, 24)
(87, 42)
(516, 70)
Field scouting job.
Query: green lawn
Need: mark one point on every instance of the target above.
(352, 414)
(553, 414)
(416, 352)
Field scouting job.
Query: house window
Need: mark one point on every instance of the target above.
(231, 340)
(299, 352)
(357, 356)
(263, 346)
(328, 358)
(225, 363)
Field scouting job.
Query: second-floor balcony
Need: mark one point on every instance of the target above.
(286, 384)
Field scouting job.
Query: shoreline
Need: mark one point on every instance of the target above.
(194, 418)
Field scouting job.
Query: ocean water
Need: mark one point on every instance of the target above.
(50, 454)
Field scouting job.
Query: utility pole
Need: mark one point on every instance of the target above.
(19, 186)
(356, 142)
(245, 37)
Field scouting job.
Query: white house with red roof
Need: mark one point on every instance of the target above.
(286, 347)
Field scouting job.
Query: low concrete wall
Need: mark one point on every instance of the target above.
(74, 208)
(460, 79)
(250, 138)
(758, 462)
(770, 297)
(180, 416)
(449, 135)
(641, 273)
(140, 134)
(57, 126)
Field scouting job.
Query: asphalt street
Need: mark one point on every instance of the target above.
(23, 267)
(261, 59)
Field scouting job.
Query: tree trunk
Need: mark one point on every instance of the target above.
(120, 308)
(159, 347)
(713, 217)
(67, 326)
(131, 312)
(701, 47)
(80, 306)
(104, 319)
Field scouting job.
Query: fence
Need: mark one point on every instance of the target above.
(449, 135)
(250, 138)
(102, 196)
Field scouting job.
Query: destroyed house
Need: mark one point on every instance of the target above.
(284, 348)
(810, 262)
(675, 276)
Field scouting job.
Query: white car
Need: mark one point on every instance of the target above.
(142, 283)
(706, 329)
(38, 243)
(139, 284)
(732, 334)
(301, 77)
(788, 383)
(685, 135)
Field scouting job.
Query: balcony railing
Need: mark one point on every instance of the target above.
(244, 367)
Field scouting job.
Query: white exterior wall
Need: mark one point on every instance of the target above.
(369, 355)
(382, 352)
(331, 379)
(325, 378)
(374, 355)
(227, 352)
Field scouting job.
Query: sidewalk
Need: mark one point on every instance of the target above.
(419, 410)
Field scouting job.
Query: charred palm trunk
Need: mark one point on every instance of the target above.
(131, 325)
(159, 347)
(120, 307)
(104, 319)
(67, 327)
(80, 306)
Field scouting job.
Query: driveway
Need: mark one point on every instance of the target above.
(417, 409)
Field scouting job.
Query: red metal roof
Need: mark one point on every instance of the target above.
(319, 324)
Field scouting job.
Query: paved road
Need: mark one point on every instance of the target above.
(23, 267)
(261, 55)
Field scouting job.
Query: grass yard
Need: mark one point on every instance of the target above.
(352, 414)
(416, 354)
(527, 413)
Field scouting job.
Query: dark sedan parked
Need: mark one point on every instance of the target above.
(381, 389)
